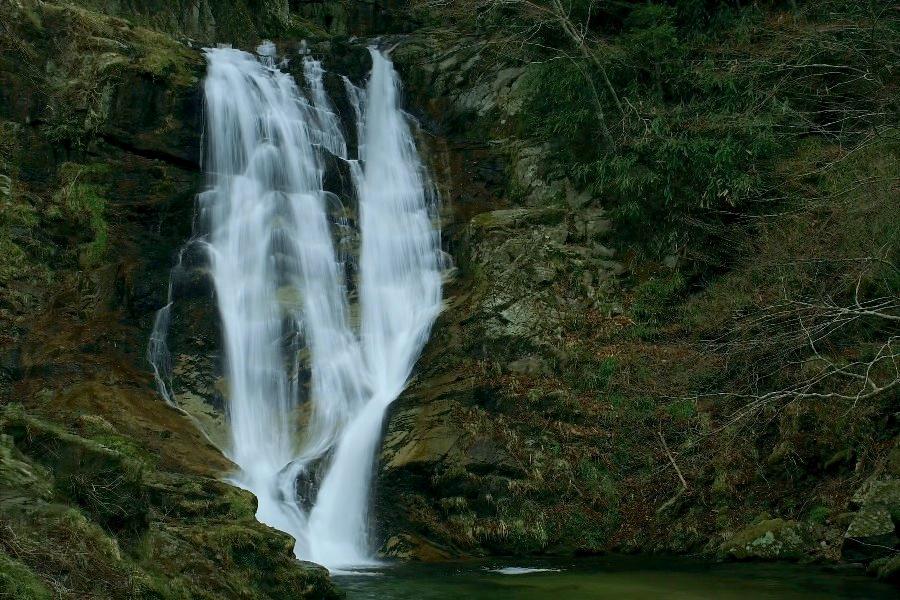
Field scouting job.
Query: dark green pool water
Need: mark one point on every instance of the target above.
(618, 578)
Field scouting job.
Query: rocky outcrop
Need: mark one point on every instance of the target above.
(105, 490)
(873, 535)
(465, 467)
(240, 22)
(98, 497)
(770, 539)
(555, 407)
(367, 18)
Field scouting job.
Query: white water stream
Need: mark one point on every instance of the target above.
(282, 288)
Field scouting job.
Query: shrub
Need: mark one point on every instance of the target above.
(654, 299)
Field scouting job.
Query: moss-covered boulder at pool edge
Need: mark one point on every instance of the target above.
(771, 539)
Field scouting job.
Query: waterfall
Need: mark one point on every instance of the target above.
(400, 296)
(281, 285)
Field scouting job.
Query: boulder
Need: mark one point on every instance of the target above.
(872, 532)
(771, 539)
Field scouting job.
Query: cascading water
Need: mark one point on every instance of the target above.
(266, 225)
(400, 296)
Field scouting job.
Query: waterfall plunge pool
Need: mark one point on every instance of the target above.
(610, 577)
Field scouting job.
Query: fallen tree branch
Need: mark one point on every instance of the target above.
(672, 460)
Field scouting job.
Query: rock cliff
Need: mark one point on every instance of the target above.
(683, 380)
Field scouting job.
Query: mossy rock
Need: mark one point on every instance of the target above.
(105, 525)
(62, 544)
(103, 482)
(193, 498)
(19, 477)
(872, 532)
(241, 22)
(887, 568)
(253, 547)
(83, 75)
(772, 539)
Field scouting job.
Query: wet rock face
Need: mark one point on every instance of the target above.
(106, 161)
(101, 149)
(156, 121)
(356, 17)
(233, 21)
(464, 467)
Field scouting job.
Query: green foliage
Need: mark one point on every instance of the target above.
(652, 43)
(19, 582)
(703, 120)
(682, 410)
(591, 375)
(590, 532)
(598, 483)
(655, 299)
(605, 370)
(81, 199)
(847, 236)
(818, 514)
(558, 107)
(684, 148)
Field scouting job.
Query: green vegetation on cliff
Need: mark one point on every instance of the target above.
(702, 345)
(678, 113)
(672, 326)
(240, 22)
(105, 490)
(95, 515)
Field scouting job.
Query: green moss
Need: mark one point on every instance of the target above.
(588, 374)
(818, 514)
(887, 568)
(300, 28)
(14, 261)
(682, 410)
(19, 582)
(81, 198)
(126, 447)
(160, 56)
(103, 482)
(255, 549)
